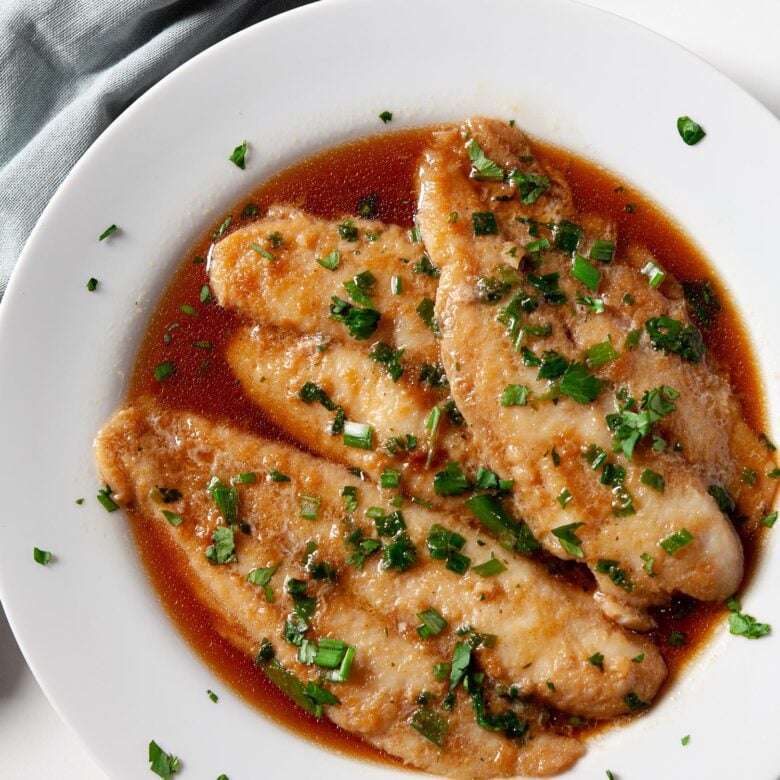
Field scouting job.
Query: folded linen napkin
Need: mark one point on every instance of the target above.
(68, 68)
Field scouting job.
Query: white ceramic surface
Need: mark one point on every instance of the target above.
(89, 624)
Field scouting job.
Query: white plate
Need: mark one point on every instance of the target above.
(89, 624)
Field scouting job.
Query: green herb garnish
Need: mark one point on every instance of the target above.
(690, 131)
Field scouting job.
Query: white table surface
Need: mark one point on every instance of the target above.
(740, 39)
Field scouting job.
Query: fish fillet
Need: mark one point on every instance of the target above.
(546, 630)
(616, 528)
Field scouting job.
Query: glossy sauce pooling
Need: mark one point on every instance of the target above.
(329, 185)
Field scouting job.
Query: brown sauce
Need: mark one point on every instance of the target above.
(329, 185)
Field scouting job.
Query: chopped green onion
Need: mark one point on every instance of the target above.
(104, 497)
(390, 478)
(676, 639)
(596, 305)
(250, 210)
(568, 539)
(310, 507)
(107, 232)
(172, 517)
(586, 273)
(512, 534)
(263, 252)
(205, 294)
(676, 541)
(685, 740)
(226, 499)
(213, 696)
(654, 273)
(277, 476)
(633, 702)
(723, 499)
(770, 519)
(690, 131)
(602, 250)
(238, 157)
(600, 354)
(530, 186)
(358, 435)
(396, 285)
(432, 425)
(489, 568)
(654, 480)
(222, 228)
(564, 498)
(92, 284)
(386, 116)
(164, 370)
(648, 564)
(432, 623)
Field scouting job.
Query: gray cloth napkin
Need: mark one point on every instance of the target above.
(68, 68)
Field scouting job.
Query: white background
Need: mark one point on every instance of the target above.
(737, 38)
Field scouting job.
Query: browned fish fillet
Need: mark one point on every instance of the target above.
(293, 291)
(545, 630)
(615, 517)
(275, 367)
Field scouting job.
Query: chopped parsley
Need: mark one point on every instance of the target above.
(676, 541)
(433, 374)
(451, 481)
(723, 499)
(361, 548)
(741, 624)
(238, 157)
(262, 578)
(673, 338)
(445, 545)
(389, 358)
(514, 395)
(330, 261)
(226, 499)
(430, 725)
(567, 236)
(702, 300)
(691, 132)
(630, 427)
(597, 659)
(484, 223)
(361, 323)
(41, 556)
(219, 232)
(425, 311)
(223, 547)
(769, 520)
(530, 186)
(386, 116)
(580, 385)
(425, 267)
(92, 284)
(633, 702)
(482, 168)
(348, 231)
(368, 206)
(162, 764)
